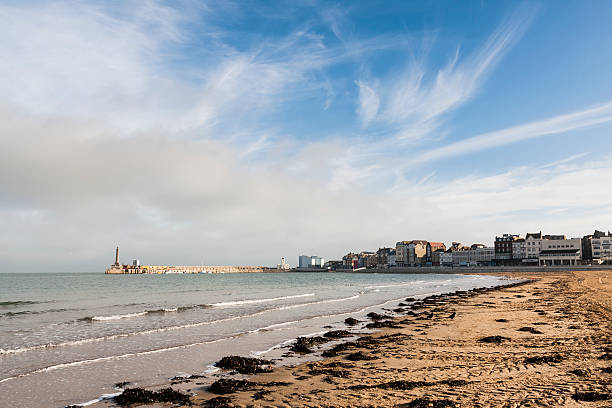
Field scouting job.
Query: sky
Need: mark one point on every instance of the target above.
(237, 133)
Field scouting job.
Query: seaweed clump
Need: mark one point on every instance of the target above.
(337, 334)
(219, 402)
(360, 356)
(229, 386)
(303, 344)
(581, 373)
(245, 365)
(554, 358)
(530, 330)
(429, 403)
(377, 316)
(142, 396)
(332, 352)
(380, 324)
(591, 396)
(494, 339)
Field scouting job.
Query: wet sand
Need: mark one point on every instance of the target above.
(545, 343)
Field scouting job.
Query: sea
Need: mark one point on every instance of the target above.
(69, 338)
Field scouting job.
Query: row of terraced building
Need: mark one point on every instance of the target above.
(534, 249)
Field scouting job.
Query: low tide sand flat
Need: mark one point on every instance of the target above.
(440, 361)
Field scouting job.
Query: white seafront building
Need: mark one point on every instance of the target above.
(307, 262)
(561, 252)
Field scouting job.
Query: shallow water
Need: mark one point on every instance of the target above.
(67, 338)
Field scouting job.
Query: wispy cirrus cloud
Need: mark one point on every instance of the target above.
(553, 126)
(413, 101)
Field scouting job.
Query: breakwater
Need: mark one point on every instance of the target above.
(165, 269)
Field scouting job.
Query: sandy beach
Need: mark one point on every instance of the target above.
(544, 343)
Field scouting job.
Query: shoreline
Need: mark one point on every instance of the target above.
(553, 344)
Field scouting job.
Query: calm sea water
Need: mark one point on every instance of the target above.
(67, 338)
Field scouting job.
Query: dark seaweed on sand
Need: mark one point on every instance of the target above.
(245, 365)
(229, 386)
(376, 316)
(429, 403)
(337, 334)
(529, 330)
(360, 356)
(494, 339)
(219, 402)
(142, 396)
(381, 324)
(553, 358)
(591, 396)
(303, 344)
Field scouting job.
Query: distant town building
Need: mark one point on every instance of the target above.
(333, 265)
(484, 256)
(283, 266)
(350, 260)
(430, 250)
(367, 259)
(382, 257)
(391, 258)
(519, 250)
(533, 245)
(417, 250)
(306, 262)
(401, 253)
(476, 255)
(446, 258)
(410, 253)
(503, 249)
(561, 251)
(596, 248)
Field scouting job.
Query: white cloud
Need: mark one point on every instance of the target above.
(106, 140)
(547, 127)
(415, 105)
(368, 103)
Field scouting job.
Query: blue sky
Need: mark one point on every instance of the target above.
(240, 132)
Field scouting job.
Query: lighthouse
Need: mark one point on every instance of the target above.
(117, 257)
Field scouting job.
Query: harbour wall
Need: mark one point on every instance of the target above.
(165, 269)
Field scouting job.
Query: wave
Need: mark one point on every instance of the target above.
(246, 302)
(113, 317)
(117, 357)
(164, 329)
(178, 309)
(187, 308)
(17, 303)
(160, 350)
(33, 312)
(164, 349)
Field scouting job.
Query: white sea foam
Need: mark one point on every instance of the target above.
(118, 317)
(251, 301)
(99, 399)
(276, 346)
